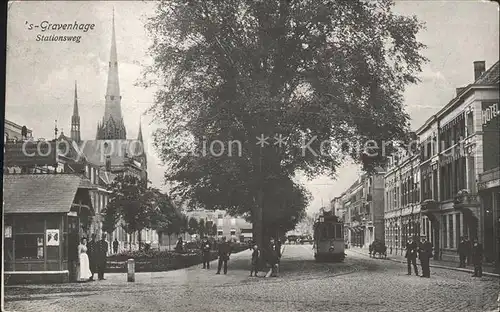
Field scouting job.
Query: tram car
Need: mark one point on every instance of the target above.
(329, 238)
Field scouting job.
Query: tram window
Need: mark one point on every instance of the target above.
(338, 231)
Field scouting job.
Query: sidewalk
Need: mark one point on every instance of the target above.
(487, 270)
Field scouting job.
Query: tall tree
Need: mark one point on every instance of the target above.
(324, 75)
(193, 226)
(201, 228)
(134, 202)
(110, 219)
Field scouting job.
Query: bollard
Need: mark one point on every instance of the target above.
(130, 270)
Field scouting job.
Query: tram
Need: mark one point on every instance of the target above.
(329, 238)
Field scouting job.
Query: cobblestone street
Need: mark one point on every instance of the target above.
(358, 284)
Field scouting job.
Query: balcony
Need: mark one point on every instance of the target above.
(467, 203)
(429, 208)
(489, 179)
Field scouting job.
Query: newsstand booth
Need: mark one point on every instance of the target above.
(45, 216)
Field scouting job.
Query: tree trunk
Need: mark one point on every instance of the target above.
(139, 238)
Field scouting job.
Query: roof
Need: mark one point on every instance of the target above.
(39, 193)
(119, 151)
(490, 77)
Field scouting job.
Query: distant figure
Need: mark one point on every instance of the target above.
(224, 253)
(84, 272)
(411, 256)
(255, 261)
(91, 252)
(179, 247)
(205, 250)
(462, 252)
(477, 258)
(115, 246)
(101, 256)
(273, 256)
(425, 253)
(468, 250)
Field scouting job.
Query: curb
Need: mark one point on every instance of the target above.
(436, 266)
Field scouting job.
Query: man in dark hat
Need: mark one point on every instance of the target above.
(224, 253)
(425, 253)
(91, 252)
(477, 258)
(411, 256)
(462, 252)
(101, 256)
(205, 250)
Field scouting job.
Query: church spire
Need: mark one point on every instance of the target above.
(112, 126)
(139, 136)
(75, 119)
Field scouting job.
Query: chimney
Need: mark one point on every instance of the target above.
(479, 69)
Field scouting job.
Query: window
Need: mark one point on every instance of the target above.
(338, 231)
(233, 232)
(29, 246)
(458, 227)
(220, 216)
(220, 233)
(220, 222)
(450, 231)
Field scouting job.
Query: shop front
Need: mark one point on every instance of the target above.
(45, 216)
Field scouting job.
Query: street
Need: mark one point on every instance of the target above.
(358, 284)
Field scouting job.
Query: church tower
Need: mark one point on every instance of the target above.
(112, 126)
(75, 120)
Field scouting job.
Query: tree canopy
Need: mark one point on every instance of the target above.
(326, 76)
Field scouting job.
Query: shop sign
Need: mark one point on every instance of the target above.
(489, 113)
(52, 237)
(8, 231)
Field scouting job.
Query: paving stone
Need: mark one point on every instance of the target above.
(358, 284)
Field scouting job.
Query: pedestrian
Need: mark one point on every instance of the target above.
(477, 258)
(91, 252)
(425, 253)
(84, 272)
(115, 246)
(273, 258)
(101, 255)
(205, 250)
(179, 247)
(411, 256)
(255, 260)
(468, 250)
(462, 252)
(224, 252)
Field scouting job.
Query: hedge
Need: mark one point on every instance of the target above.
(157, 261)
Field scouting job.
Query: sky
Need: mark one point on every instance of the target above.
(41, 75)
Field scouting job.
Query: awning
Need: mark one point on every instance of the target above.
(40, 193)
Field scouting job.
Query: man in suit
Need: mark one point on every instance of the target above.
(224, 251)
(411, 256)
(477, 258)
(115, 246)
(101, 254)
(425, 253)
(91, 253)
(462, 252)
(205, 249)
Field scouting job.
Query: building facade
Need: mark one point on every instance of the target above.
(402, 200)
(14, 132)
(233, 228)
(457, 149)
(363, 210)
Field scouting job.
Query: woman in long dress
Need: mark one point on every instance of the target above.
(84, 273)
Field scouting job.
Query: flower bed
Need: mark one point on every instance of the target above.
(156, 261)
